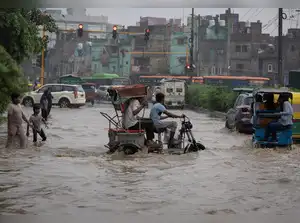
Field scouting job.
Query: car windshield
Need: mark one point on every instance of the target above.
(248, 100)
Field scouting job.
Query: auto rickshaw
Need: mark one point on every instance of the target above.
(262, 116)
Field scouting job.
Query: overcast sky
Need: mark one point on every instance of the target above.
(129, 16)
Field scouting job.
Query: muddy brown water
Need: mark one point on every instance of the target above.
(72, 173)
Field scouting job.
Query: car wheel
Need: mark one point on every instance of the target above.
(64, 103)
(28, 102)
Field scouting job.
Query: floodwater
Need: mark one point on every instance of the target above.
(72, 173)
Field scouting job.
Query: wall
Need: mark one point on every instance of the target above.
(178, 53)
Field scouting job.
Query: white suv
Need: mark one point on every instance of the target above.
(64, 95)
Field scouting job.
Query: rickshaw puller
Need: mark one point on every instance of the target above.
(133, 122)
(285, 121)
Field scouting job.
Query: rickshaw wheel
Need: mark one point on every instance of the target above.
(129, 149)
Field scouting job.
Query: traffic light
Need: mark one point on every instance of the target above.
(114, 32)
(80, 30)
(147, 34)
(190, 67)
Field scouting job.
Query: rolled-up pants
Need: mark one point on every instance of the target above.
(170, 125)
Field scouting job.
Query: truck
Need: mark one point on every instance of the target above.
(174, 91)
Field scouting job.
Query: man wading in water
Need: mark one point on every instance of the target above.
(15, 118)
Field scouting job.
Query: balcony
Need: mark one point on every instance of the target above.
(148, 70)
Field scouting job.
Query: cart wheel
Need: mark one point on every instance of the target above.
(129, 149)
(194, 148)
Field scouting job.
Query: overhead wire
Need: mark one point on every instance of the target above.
(256, 10)
(273, 30)
(270, 22)
(259, 12)
(246, 13)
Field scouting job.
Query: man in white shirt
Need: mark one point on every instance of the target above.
(132, 122)
(285, 121)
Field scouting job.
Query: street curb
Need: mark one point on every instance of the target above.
(214, 114)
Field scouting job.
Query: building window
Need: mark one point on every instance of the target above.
(213, 70)
(238, 48)
(219, 71)
(245, 48)
(240, 66)
(270, 67)
(95, 68)
(180, 41)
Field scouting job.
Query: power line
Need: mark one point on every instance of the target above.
(259, 12)
(246, 13)
(273, 30)
(270, 23)
(253, 13)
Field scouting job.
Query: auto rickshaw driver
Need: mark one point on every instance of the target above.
(284, 122)
(267, 105)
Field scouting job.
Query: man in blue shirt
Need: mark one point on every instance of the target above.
(155, 114)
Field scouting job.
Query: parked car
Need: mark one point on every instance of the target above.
(64, 95)
(90, 92)
(239, 117)
(102, 92)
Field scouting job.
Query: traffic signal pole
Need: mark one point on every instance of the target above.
(43, 61)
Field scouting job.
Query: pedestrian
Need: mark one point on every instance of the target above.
(44, 105)
(49, 97)
(15, 118)
(36, 120)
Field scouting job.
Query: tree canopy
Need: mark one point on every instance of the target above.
(20, 38)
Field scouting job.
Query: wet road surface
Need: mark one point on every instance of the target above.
(72, 173)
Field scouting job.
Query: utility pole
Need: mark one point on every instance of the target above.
(43, 61)
(280, 74)
(192, 39)
(229, 30)
(198, 66)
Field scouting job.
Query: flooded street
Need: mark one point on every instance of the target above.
(71, 173)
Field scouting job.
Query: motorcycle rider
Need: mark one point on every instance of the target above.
(156, 116)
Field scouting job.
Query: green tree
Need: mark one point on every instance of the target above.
(20, 38)
(20, 31)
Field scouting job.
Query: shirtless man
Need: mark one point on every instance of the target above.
(15, 117)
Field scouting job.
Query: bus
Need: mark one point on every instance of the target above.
(120, 81)
(229, 81)
(97, 79)
(101, 79)
(155, 80)
(236, 81)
